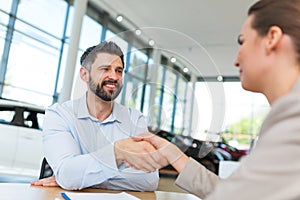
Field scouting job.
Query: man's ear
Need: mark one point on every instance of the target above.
(84, 74)
(274, 37)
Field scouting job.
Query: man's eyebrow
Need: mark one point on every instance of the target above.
(104, 65)
(108, 65)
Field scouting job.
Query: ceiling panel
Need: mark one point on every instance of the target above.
(202, 33)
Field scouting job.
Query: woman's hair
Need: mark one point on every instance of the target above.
(90, 54)
(282, 13)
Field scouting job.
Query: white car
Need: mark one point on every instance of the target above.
(21, 151)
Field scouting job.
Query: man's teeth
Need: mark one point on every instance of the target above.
(110, 85)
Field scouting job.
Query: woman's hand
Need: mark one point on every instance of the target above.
(170, 151)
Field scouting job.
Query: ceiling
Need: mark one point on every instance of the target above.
(199, 33)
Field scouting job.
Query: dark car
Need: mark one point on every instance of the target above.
(202, 151)
(235, 153)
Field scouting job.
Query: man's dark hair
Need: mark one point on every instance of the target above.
(90, 54)
(84, 55)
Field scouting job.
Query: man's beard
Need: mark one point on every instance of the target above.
(98, 90)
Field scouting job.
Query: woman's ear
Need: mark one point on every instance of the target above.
(274, 37)
(84, 74)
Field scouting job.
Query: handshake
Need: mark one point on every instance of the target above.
(146, 152)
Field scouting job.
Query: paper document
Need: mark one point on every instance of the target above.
(102, 196)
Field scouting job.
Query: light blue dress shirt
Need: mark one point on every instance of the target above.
(80, 148)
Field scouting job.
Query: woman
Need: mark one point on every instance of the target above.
(269, 62)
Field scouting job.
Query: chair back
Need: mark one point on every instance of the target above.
(46, 170)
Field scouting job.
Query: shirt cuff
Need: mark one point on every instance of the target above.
(106, 156)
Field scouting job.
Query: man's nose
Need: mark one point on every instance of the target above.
(113, 74)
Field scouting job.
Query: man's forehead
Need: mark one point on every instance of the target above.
(108, 59)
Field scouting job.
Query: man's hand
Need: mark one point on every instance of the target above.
(170, 151)
(49, 182)
(139, 155)
(167, 149)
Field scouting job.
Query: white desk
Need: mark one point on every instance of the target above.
(17, 191)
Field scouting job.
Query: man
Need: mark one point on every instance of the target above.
(87, 141)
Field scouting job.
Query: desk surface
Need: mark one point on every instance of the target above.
(17, 191)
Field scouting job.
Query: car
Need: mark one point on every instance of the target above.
(21, 151)
(202, 151)
(235, 153)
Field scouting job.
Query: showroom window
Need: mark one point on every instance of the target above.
(169, 111)
(168, 100)
(135, 81)
(6, 5)
(156, 117)
(34, 51)
(243, 117)
(179, 116)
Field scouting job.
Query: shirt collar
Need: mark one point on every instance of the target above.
(116, 112)
(83, 111)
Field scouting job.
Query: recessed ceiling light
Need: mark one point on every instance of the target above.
(151, 42)
(220, 78)
(185, 70)
(138, 32)
(173, 59)
(119, 18)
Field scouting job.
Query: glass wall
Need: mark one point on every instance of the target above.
(91, 33)
(5, 7)
(135, 78)
(157, 118)
(2, 38)
(179, 126)
(243, 117)
(170, 107)
(33, 50)
(168, 100)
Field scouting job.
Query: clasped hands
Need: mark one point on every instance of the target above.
(146, 152)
